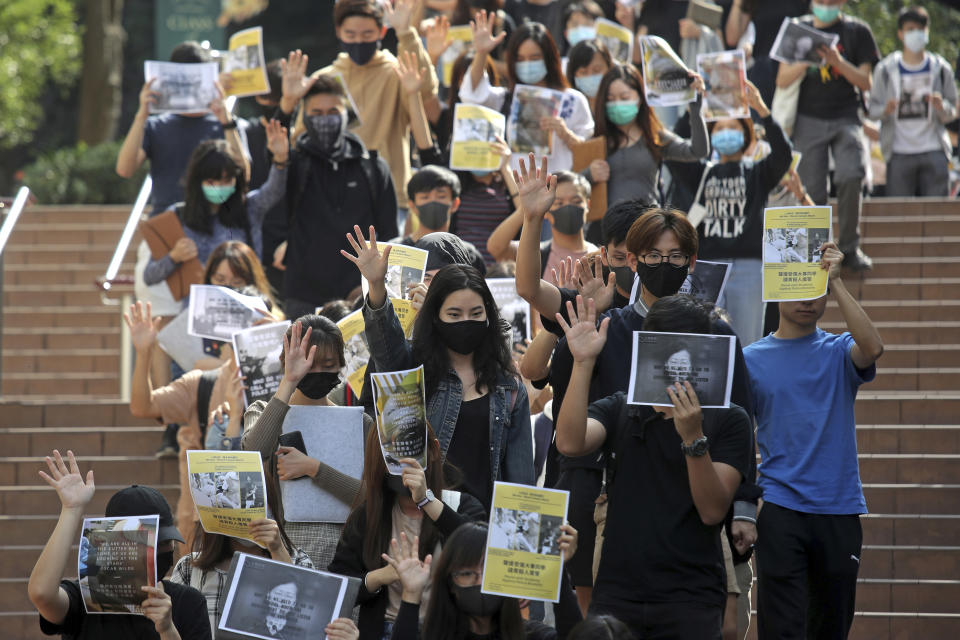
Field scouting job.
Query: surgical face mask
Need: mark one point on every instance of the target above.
(326, 131)
(825, 13)
(916, 40)
(473, 603)
(662, 281)
(480, 174)
(531, 71)
(218, 193)
(318, 385)
(623, 112)
(464, 336)
(727, 141)
(625, 276)
(580, 33)
(568, 219)
(433, 215)
(588, 85)
(360, 52)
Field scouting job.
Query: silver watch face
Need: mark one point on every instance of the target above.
(430, 495)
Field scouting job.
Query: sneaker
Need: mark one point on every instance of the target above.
(858, 261)
(168, 445)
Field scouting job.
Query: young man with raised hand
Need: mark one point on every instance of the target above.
(804, 382)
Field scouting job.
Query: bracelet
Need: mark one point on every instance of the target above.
(230, 125)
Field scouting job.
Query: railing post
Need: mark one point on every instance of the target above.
(10, 220)
(126, 351)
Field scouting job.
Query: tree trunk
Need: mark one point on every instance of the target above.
(101, 82)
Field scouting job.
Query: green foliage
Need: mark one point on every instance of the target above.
(82, 175)
(881, 15)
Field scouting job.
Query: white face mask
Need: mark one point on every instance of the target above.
(916, 39)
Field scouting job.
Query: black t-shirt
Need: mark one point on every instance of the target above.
(469, 449)
(656, 548)
(662, 18)
(768, 16)
(825, 93)
(189, 617)
(549, 15)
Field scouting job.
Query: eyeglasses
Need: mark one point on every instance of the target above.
(466, 577)
(655, 259)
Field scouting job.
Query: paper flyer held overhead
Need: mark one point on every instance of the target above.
(270, 599)
(474, 128)
(257, 352)
(219, 312)
(399, 402)
(530, 105)
(334, 436)
(181, 87)
(706, 282)
(725, 77)
(708, 14)
(666, 80)
(792, 237)
(522, 558)
(405, 266)
(356, 351)
(617, 38)
(228, 490)
(245, 64)
(461, 41)
(662, 359)
(799, 42)
(513, 308)
(117, 557)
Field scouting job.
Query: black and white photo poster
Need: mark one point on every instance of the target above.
(269, 599)
(705, 283)
(257, 351)
(798, 42)
(219, 312)
(117, 557)
(661, 359)
(513, 308)
(181, 88)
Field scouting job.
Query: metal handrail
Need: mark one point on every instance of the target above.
(110, 276)
(11, 220)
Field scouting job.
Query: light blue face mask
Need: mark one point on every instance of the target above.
(727, 141)
(480, 174)
(588, 85)
(916, 40)
(825, 13)
(580, 33)
(218, 193)
(531, 71)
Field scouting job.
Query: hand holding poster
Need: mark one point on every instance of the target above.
(400, 405)
(792, 237)
(181, 88)
(228, 490)
(725, 76)
(117, 557)
(529, 107)
(662, 359)
(798, 42)
(405, 266)
(356, 348)
(513, 308)
(666, 80)
(245, 64)
(522, 558)
(706, 282)
(257, 353)
(474, 128)
(219, 312)
(617, 38)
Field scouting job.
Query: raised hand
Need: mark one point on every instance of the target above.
(298, 353)
(158, 608)
(405, 559)
(148, 97)
(414, 479)
(218, 105)
(537, 188)
(565, 279)
(591, 286)
(687, 415)
(398, 14)
(437, 35)
(483, 39)
(831, 259)
(74, 492)
(697, 83)
(295, 82)
(502, 149)
(278, 141)
(584, 339)
(371, 263)
(409, 72)
(755, 100)
(143, 331)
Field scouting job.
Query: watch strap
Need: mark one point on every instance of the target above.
(695, 449)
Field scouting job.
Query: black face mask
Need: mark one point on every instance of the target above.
(318, 385)
(266, 110)
(625, 277)
(568, 219)
(473, 603)
(164, 562)
(664, 280)
(326, 131)
(464, 337)
(395, 484)
(433, 215)
(360, 52)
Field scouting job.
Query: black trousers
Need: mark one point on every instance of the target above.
(665, 620)
(807, 567)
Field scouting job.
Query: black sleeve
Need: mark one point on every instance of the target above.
(73, 621)
(561, 367)
(407, 624)
(431, 156)
(190, 613)
(567, 611)
(385, 204)
(605, 411)
(774, 166)
(348, 558)
(866, 49)
(551, 324)
(469, 510)
(731, 443)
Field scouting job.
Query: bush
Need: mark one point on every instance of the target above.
(82, 175)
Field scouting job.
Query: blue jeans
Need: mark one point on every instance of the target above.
(742, 298)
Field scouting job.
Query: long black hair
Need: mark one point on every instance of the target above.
(548, 47)
(213, 160)
(650, 125)
(443, 621)
(489, 360)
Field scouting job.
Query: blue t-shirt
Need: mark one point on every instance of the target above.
(803, 392)
(168, 141)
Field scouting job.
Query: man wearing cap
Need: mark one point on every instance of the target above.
(170, 611)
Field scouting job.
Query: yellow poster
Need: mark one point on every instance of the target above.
(356, 350)
(523, 558)
(474, 128)
(461, 39)
(792, 237)
(405, 266)
(228, 490)
(407, 315)
(245, 64)
(401, 409)
(617, 38)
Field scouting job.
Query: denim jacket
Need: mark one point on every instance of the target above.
(511, 441)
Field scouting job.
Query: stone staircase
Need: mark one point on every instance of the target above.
(60, 388)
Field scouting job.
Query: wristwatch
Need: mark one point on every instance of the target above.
(696, 448)
(426, 500)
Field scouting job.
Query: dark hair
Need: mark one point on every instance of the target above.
(464, 12)
(275, 80)
(578, 181)
(618, 219)
(344, 9)
(492, 358)
(649, 123)
(678, 314)
(913, 14)
(326, 335)
(336, 310)
(243, 262)
(502, 269)
(443, 620)
(213, 160)
(190, 52)
(648, 228)
(548, 47)
(749, 135)
(586, 7)
(460, 67)
(326, 84)
(433, 177)
(582, 55)
(603, 627)
(379, 512)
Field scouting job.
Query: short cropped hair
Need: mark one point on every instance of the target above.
(619, 218)
(578, 181)
(678, 314)
(326, 84)
(646, 231)
(431, 177)
(275, 80)
(913, 14)
(190, 52)
(344, 9)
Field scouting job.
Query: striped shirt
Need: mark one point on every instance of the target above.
(482, 208)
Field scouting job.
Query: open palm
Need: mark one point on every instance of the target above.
(404, 558)
(483, 39)
(584, 339)
(536, 187)
(143, 331)
(74, 491)
(371, 263)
